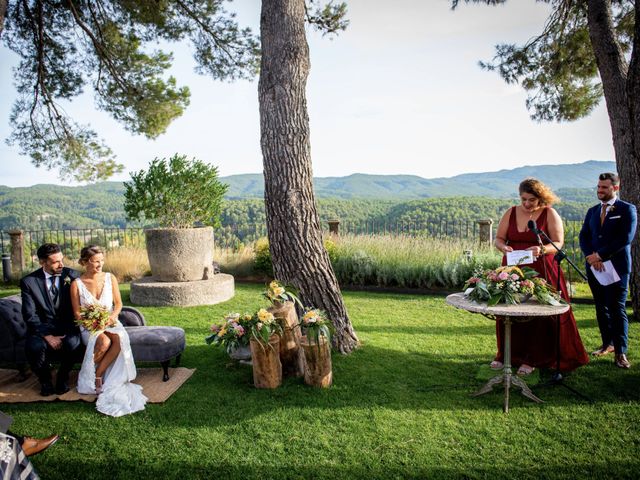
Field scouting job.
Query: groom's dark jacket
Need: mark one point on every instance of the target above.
(612, 240)
(38, 310)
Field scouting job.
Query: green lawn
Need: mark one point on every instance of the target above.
(399, 408)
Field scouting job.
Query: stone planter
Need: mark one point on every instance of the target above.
(180, 254)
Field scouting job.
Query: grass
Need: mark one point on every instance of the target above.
(399, 408)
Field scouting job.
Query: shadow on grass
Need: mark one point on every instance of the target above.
(208, 468)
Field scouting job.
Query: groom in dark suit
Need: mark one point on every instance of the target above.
(607, 233)
(46, 309)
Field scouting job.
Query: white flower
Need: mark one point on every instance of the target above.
(6, 450)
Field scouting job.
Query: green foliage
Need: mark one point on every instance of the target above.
(262, 260)
(67, 46)
(176, 193)
(558, 66)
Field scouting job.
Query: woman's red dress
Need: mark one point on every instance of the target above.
(534, 342)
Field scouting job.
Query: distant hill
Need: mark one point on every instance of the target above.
(498, 184)
(356, 198)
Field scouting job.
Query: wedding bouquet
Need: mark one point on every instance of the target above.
(233, 333)
(510, 285)
(94, 318)
(277, 294)
(316, 324)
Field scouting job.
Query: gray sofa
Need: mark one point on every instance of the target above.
(148, 344)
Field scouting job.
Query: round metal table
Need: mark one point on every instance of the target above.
(509, 314)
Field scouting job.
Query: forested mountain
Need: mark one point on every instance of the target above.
(356, 199)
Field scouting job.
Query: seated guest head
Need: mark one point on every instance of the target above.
(535, 194)
(50, 258)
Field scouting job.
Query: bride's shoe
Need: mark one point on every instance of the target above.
(98, 385)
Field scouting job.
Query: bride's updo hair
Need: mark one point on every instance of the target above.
(89, 251)
(539, 190)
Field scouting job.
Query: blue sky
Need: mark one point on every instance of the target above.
(399, 92)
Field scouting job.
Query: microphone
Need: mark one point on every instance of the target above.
(531, 224)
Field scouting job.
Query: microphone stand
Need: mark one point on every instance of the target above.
(557, 378)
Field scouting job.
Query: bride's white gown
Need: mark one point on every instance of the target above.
(119, 396)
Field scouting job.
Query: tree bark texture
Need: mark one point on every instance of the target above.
(3, 14)
(267, 369)
(318, 370)
(295, 238)
(291, 355)
(620, 82)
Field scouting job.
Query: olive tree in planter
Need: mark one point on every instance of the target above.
(177, 194)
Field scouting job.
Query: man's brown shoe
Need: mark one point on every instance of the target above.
(32, 446)
(622, 362)
(603, 351)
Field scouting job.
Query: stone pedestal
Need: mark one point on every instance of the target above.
(149, 292)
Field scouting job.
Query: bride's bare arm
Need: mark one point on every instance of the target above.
(75, 300)
(117, 299)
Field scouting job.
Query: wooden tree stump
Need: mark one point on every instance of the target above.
(318, 370)
(291, 355)
(267, 369)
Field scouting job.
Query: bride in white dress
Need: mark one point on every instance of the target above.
(108, 368)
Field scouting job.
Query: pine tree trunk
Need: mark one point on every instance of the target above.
(3, 14)
(295, 238)
(620, 83)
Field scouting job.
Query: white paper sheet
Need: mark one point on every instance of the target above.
(520, 257)
(608, 275)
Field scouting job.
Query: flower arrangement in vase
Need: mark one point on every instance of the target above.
(277, 294)
(232, 334)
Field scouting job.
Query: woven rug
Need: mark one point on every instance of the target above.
(157, 391)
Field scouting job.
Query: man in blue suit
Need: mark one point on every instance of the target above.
(607, 233)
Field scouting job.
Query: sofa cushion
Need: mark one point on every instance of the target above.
(11, 317)
(156, 344)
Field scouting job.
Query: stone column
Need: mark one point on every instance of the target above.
(334, 227)
(485, 231)
(17, 253)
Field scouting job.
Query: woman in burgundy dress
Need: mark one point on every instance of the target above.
(533, 343)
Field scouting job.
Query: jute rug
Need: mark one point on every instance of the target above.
(157, 391)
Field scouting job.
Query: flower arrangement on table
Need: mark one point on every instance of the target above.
(94, 318)
(510, 285)
(233, 333)
(277, 294)
(316, 325)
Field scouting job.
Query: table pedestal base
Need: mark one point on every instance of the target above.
(507, 379)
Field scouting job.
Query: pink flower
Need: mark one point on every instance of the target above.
(473, 280)
(239, 330)
(215, 328)
(527, 283)
(503, 276)
(514, 276)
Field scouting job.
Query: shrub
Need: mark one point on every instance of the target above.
(176, 193)
(263, 257)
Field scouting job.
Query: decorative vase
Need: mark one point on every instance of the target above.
(291, 355)
(318, 370)
(241, 353)
(267, 369)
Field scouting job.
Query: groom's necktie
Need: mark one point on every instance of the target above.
(54, 291)
(603, 213)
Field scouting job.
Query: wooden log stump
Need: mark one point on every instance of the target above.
(291, 354)
(318, 370)
(267, 369)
